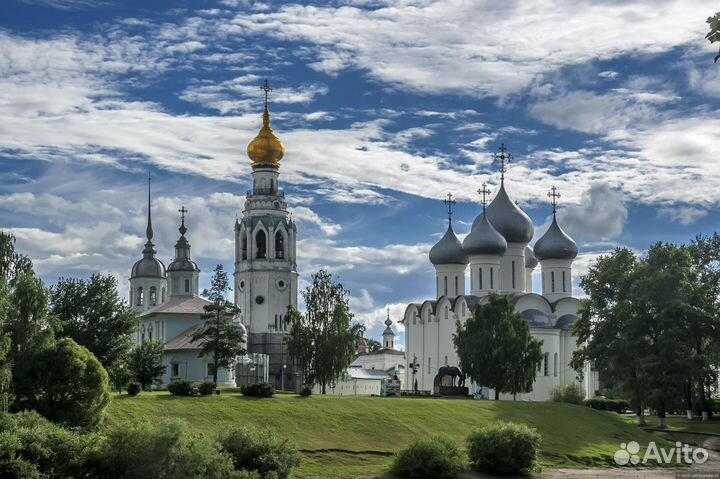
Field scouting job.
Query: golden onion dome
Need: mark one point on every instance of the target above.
(266, 149)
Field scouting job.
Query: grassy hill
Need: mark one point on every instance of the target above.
(358, 435)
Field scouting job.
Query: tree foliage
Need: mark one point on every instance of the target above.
(146, 363)
(64, 382)
(323, 340)
(496, 349)
(714, 33)
(92, 313)
(220, 337)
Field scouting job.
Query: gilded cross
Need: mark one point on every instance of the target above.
(485, 192)
(553, 195)
(450, 202)
(504, 158)
(182, 211)
(267, 89)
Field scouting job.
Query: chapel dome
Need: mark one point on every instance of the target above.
(509, 219)
(484, 239)
(530, 259)
(183, 264)
(555, 244)
(448, 250)
(148, 267)
(266, 149)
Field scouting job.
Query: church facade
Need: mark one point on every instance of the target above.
(496, 258)
(265, 279)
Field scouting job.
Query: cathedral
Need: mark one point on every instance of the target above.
(497, 258)
(265, 279)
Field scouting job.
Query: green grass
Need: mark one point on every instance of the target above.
(683, 424)
(348, 436)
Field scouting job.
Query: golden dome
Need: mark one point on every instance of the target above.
(266, 149)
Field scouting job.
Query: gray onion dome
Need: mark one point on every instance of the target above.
(448, 250)
(148, 267)
(555, 244)
(484, 239)
(182, 261)
(509, 219)
(530, 259)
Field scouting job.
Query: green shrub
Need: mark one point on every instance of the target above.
(306, 391)
(31, 447)
(133, 389)
(64, 382)
(503, 448)
(181, 388)
(570, 393)
(207, 388)
(262, 390)
(434, 457)
(617, 405)
(260, 451)
(167, 450)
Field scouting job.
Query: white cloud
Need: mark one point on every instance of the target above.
(601, 215)
(684, 215)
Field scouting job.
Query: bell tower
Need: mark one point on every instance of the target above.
(265, 262)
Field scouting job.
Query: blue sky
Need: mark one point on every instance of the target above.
(384, 106)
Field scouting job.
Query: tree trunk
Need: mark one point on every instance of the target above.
(688, 399)
(662, 416)
(640, 415)
(497, 395)
(323, 387)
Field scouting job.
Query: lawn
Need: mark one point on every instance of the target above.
(348, 436)
(683, 424)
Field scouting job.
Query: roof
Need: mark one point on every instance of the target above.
(383, 351)
(448, 250)
(179, 305)
(555, 244)
(359, 373)
(183, 341)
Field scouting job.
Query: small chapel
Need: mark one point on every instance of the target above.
(265, 281)
(496, 258)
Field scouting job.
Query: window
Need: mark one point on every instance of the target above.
(480, 278)
(463, 309)
(187, 285)
(456, 286)
(429, 363)
(142, 333)
(210, 369)
(279, 245)
(546, 359)
(162, 295)
(513, 275)
(447, 312)
(150, 330)
(175, 370)
(153, 296)
(564, 287)
(555, 365)
(552, 281)
(260, 245)
(445, 278)
(492, 279)
(446, 361)
(276, 322)
(244, 246)
(139, 299)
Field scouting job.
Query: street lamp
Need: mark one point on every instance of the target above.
(282, 380)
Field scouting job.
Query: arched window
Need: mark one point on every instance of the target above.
(142, 333)
(140, 298)
(546, 359)
(447, 312)
(513, 275)
(445, 285)
(456, 286)
(463, 309)
(279, 245)
(480, 278)
(446, 361)
(243, 243)
(555, 365)
(153, 296)
(492, 279)
(162, 295)
(260, 245)
(429, 363)
(563, 279)
(552, 281)
(150, 330)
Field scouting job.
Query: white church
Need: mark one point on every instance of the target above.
(265, 279)
(497, 258)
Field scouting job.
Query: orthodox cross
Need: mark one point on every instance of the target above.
(553, 195)
(485, 192)
(267, 89)
(504, 158)
(450, 202)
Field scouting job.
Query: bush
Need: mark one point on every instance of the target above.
(207, 388)
(145, 450)
(181, 388)
(261, 452)
(433, 456)
(32, 447)
(64, 382)
(570, 393)
(262, 390)
(133, 389)
(617, 405)
(503, 448)
(306, 391)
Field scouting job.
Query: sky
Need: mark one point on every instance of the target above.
(384, 106)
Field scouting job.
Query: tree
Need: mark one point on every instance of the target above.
(92, 313)
(323, 340)
(146, 363)
(373, 345)
(5, 364)
(714, 33)
(64, 382)
(220, 337)
(12, 263)
(496, 349)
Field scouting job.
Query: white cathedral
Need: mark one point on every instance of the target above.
(500, 261)
(265, 279)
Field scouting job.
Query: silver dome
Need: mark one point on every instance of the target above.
(448, 250)
(530, 259)
(509, 219)
(183, 265)
(555, 244)
(148, 267)
(484, 239)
